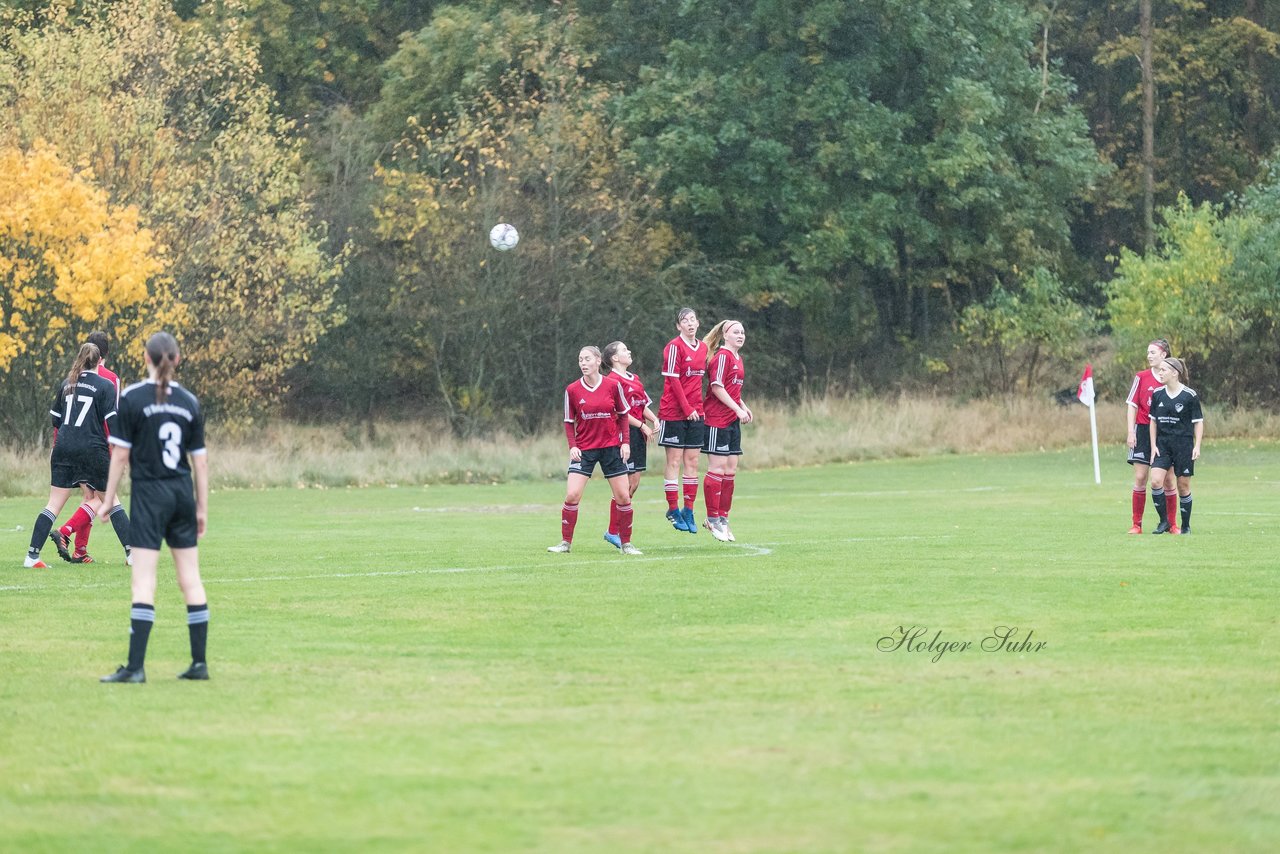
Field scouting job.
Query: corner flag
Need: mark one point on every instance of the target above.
(1085, 393)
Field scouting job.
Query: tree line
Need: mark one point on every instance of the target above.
(890, 194)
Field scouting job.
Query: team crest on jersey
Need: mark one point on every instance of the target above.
(1177, 407)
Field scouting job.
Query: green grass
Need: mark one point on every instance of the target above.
(408, 669)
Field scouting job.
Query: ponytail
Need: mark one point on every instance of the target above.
(87, 359)
(162, 350)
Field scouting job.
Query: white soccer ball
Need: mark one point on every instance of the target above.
(503, 236)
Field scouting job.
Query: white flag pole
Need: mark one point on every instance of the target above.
(1093, 428)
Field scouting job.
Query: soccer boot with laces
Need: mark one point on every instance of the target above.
(33, 561)
(676, 519)
(61, 541)
(1174, 529)
(724, 526)
(198, 671)
(690, 524)
(1162, 528)
(613, 540)
(628, 549)
(82, 557)
(124, 674)
(1136, 529)
(716, 531)
(562, 548)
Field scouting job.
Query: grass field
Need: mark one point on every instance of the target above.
(408, 669)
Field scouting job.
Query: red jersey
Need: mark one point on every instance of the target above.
(115, 381)
(727, 372)
(597, 415)
(633, 391)
(1144, 385)
(682, 370)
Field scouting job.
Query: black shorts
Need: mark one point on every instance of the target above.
(70, 468)
(1141, 450)
(1176, 454)
(724, 441)
(680, 434)
(610, 460)
(162, 510)
(639, 452)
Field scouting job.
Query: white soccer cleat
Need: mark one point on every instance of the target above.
(34, 562)
(628, 549)
(716, 530)
(561, 549)
(724, 526)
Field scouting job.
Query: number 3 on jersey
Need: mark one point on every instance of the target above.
(171, 438)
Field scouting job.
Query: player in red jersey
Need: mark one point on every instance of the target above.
(1139, 418)
(617, 359)
(1176, 430)
(595, 423)
(684, 362)
(725, 415)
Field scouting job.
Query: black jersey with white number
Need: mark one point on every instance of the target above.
(79, 412)
(159, 436)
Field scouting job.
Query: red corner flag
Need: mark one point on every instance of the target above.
(1085, 392)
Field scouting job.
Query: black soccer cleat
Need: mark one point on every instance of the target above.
(124, 674)
(61, 542)
(1186, 529)
(198, 670)
(1162, 528)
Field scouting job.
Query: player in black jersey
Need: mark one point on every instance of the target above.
(1176, 430)
(159, 433)
(83, 403)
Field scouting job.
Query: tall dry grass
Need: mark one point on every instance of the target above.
(808, 433)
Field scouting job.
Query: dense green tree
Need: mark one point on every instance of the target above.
(525, 138)
(1217, 92)
(875, 165)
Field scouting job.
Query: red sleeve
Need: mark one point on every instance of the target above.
(677, 388)
(624, 409)
(569, 417)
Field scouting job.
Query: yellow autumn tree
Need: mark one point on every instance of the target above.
(70, 262)
(173, 118)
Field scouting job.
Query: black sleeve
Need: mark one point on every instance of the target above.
(55, 411)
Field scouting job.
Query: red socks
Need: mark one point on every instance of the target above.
(1171, 506)
(568, 520)
(672, 490)
(79, 519)
(1139, 503)
(712, 484)
(726, 496)
(624, 523)
(690, 491)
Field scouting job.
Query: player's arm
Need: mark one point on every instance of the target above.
(1195, 449)
(1155, 452)
(1131, 414)
(570, 431)
(119, 459)
(723, 396)
(200, 474)
(622, 411)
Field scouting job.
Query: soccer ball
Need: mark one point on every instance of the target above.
(503, 236)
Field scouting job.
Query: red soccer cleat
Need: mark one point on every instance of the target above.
(1136, 529)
